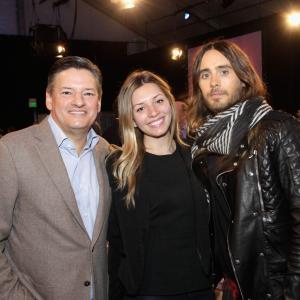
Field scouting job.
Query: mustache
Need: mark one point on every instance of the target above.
(218, 91)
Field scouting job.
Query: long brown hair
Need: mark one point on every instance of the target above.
(127, 165)
(241, 65)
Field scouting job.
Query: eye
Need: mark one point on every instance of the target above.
(139, 109)
(66, 93)
(89, 94)
(224, 72)
(204, 75)
(160, 100)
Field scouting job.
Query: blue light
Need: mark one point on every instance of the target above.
(186, 15)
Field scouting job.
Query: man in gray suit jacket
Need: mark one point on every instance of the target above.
(54, 194)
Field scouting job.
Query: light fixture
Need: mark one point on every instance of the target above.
(60, 50)
(176, 53)
(124, 4)
(186, 15)
(48, 40)
(293, 19)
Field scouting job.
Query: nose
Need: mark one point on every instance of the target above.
(214, 81)
(152, 111)
(78, 100)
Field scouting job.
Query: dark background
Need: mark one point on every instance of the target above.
(24, 72)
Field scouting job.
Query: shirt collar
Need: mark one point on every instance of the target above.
(63, 141)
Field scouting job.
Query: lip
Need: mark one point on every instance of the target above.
(217, 93)
(156, 123)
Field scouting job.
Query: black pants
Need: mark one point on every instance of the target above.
(200, 295)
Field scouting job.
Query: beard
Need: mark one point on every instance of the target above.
(221, 102)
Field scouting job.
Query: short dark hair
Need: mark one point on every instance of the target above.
(75, 62)
(242, 66)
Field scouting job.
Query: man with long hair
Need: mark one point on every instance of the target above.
(248, 157)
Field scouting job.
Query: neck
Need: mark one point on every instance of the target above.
(162, 146)
(79, 141)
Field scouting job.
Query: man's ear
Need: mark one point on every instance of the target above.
(48, 101)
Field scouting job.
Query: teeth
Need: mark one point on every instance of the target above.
(156, 123)
(77, 112)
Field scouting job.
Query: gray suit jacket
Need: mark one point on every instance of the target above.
(45, 251)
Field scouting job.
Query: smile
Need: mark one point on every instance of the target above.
(156, 123)
(77, 112)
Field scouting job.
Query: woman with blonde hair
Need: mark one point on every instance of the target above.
(158, 230)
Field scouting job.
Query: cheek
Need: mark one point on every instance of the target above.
(204, 88)
(136, 119)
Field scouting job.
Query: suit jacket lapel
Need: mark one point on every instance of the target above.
(53, 163)
(103, 206)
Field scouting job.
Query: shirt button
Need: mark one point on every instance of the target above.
(251, 173)
(237, 261)
(269, 296)
(87, 283)
(235, 164)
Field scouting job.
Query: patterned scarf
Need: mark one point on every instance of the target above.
(223, 132)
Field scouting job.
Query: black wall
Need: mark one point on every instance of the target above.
(24, 73)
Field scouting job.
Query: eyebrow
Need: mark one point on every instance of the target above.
(218, 67)
(71, 88)
(156, 96)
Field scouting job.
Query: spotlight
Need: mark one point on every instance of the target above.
(60, 50)
(176, 53)
(186, 15)
(46, 38)
(124, 4)
(293, 19)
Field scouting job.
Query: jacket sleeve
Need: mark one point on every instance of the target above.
(289, 171)
(115, 252)
(10, 286)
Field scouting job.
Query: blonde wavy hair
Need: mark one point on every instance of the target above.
(128, 163)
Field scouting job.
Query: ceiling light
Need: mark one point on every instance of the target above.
(186, 15)
(60, 50)
(124, 4)
(293, 19)
(176, 53)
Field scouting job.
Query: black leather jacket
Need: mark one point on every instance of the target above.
(264, 237)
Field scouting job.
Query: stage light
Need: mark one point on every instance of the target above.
(293, 19)
(186, 15)
(176, 53)
(124, 4)
(60, 49)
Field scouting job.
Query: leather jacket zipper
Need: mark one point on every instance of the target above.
(227, 236)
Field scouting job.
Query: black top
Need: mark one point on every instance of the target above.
(172, 264)
(160, 245)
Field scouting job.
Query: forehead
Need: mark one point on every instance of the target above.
(146, 92)
(75, 77)
(213, 59)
